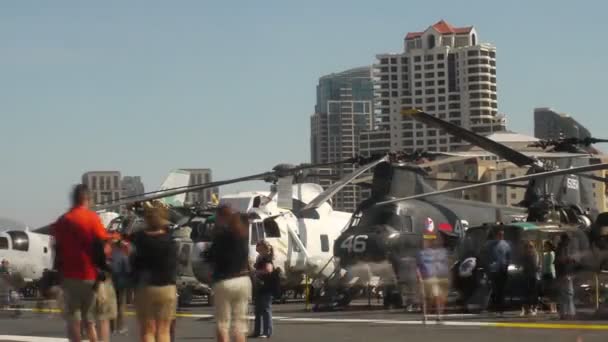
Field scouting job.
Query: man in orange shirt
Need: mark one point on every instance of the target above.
(76, 234)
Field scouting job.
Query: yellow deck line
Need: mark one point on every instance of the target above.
(564, 326)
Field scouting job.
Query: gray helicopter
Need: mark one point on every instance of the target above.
(387, 229)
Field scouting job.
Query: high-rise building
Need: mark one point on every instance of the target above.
(549, 124)
(344, 109)
(132, 186)
(197, 177)
(445, 71)
(105, 186)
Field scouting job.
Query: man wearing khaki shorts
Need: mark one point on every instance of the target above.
(75, 235)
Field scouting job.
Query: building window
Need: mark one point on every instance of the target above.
(94, 181)
(394, 94)
(441, 90)
(428, 58)
(417, 59)
(417, 76)
(430, 108)
(417, 67)
(418, 101)
(418, 84)
(441, 74)
(393, 60)
(384, 61)
(472, 53)
(404, 60)
(441, 107)
(394, 77)
(429, 75)
(418, 92)
(431, 42)
(440, 66)
(429, 83)
(394, 69)
(429, 91)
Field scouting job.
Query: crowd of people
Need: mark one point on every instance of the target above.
(545, 279)
(99, 271)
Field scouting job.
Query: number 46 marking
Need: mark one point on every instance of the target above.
(355, 243)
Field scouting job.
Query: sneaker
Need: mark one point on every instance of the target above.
(263, 336)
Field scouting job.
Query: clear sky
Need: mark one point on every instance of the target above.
(146, 86)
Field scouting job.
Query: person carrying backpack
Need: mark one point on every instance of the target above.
(266, 283)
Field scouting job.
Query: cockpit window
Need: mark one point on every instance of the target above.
(3, 243)
(271, 228)
(20, 241)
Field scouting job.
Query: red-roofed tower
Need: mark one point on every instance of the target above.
(443, 70)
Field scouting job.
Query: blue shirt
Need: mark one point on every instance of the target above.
(500, 255)
(432, 263)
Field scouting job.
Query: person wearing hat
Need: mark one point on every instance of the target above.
(433, 272)
(154, 264)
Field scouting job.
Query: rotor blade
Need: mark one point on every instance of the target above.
(500, 150)
(432, 163)
(472, 182)
(574, 170)
(595, 178)
(172, 192)
(279, 171)
(337, 186)
(538, 154)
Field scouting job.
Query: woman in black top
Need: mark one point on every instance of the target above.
(229, 256)
(264, 289)
(154, 268)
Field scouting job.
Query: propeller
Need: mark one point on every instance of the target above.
(574, 170)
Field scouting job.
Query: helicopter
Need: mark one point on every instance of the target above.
(387, 229)
(302, 238)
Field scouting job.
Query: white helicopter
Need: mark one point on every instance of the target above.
(302, 246)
